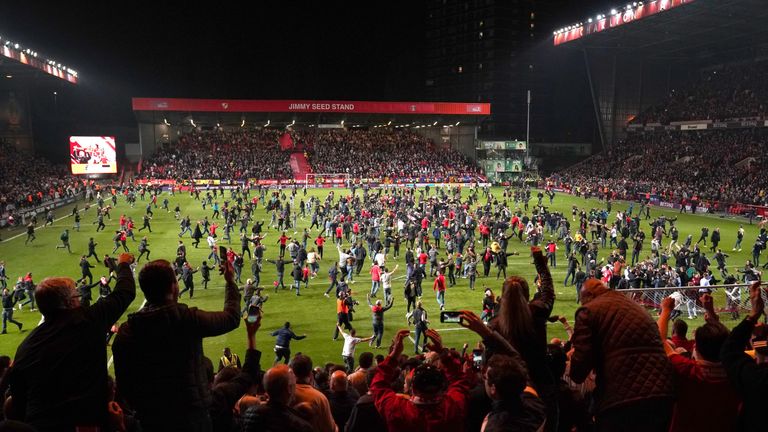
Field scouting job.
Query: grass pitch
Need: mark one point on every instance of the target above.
(312, 313)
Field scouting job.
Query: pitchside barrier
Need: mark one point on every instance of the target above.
(687, 297)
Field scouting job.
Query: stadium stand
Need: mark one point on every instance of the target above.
(27, 181)
(724, 166)
(721, 93)
(256, 154)
(399, 154)
(249, 154)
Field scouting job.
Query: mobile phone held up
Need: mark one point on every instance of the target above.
(477, 357)
(450, 316)
(253, 314)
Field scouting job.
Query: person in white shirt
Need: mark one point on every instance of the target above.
(380, 259)
(312, 261)
(350, 342)
(386, 282)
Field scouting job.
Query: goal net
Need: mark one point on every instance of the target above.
(328, 179)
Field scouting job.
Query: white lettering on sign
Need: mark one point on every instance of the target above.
(322, 107)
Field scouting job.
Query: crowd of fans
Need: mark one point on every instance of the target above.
(616, 371)
(27, 181)
(30, 185)
(379, 154)
(221, 155)
(726, 166)
(258, 154)
(730, 92)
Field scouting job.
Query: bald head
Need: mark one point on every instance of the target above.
(280, 383)
(339, 382)
(56, 293)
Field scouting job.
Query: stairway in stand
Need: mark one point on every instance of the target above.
(300, 166)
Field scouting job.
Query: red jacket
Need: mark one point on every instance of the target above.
(439, 283)
(404, 415)
(702, 380)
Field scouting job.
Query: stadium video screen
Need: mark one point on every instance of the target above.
(92, 155)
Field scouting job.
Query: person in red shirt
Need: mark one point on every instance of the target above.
(212, 229)
(319, 242)
(438, 400)
(375, 278)
(552, 253)
(339, 235)
(123, 239)
(439, 286)
(485, 233)
(680, 335)
(423, 258)
(424, 223)
(702, 378)
(305, 273)
(282, 242)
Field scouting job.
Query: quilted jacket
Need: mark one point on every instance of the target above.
(619, 340)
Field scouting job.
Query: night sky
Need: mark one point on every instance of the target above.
(268, 50)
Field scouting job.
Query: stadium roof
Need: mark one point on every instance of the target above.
(229, 112)
(18, 60)
(672, 28)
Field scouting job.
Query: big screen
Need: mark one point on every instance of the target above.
(92, 155)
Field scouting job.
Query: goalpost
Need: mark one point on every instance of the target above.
(328, 179)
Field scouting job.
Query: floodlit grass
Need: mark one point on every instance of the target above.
(312, 313)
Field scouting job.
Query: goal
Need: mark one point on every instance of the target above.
(328, 179)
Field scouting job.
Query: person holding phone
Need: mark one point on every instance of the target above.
(173, 333)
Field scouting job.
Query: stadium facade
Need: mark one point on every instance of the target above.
(636, 55)
(162, 120)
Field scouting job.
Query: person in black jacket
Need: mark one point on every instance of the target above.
(749, 378)
(514, 406)
(92, 249)
(283, 343)
(85, 269)
(276, 415)
(228, 389)
(46, 390)
(280, 267)
(187, 276)
(522, 320)
(158, 352)
(9, 301)
(84, 289)
(205, 272)
(377, 316)
(364, 416)
(715, 239)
